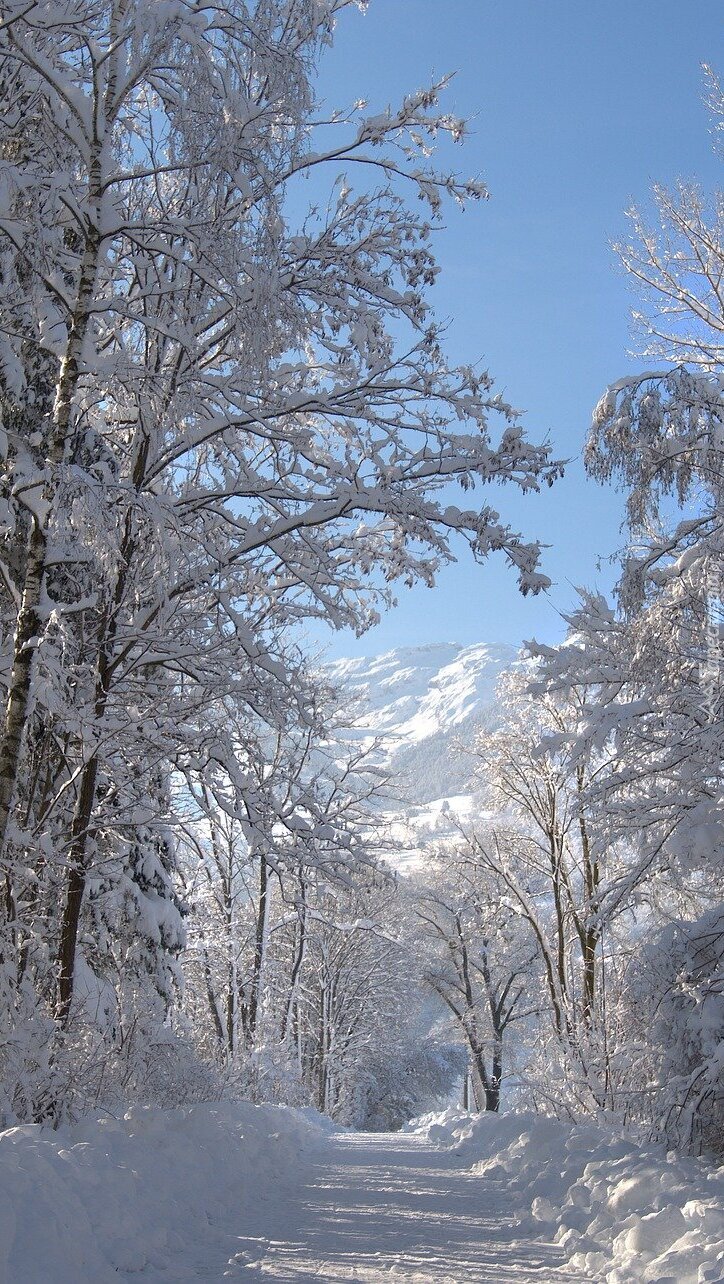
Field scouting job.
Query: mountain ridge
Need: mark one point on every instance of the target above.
(423, 703)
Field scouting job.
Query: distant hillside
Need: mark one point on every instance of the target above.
(423, 702)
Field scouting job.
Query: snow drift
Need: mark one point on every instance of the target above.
(623, 1213)
(89, 1203)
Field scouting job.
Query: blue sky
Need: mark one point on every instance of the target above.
(575, 109)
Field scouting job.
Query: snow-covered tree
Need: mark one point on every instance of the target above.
(218, 420)
(673, 1014)
(478, 962)
(654, 668)
(647, 674)
(259, 840)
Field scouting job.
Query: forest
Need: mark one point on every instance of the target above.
(228, 410)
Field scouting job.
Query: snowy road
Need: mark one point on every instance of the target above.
(382, 1206)
(231, 1191)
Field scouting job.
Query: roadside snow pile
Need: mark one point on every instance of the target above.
(623, 1213)
(105, 1197)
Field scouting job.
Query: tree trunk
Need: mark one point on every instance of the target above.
(213, 1005)
(590, 935)
(301, 942)
(85, 804)
(492, 1091)
(29, 623)
(590, 941)
(76, 889)
(259, 946)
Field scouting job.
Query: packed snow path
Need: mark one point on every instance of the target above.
(389, 1205)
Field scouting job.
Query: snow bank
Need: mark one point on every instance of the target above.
(623, 1213)
(91, 1202)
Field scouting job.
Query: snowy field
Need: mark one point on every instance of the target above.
(234, 1191)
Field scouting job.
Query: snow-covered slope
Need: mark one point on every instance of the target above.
(423, 702)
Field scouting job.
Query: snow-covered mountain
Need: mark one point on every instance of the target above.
(424, 703)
